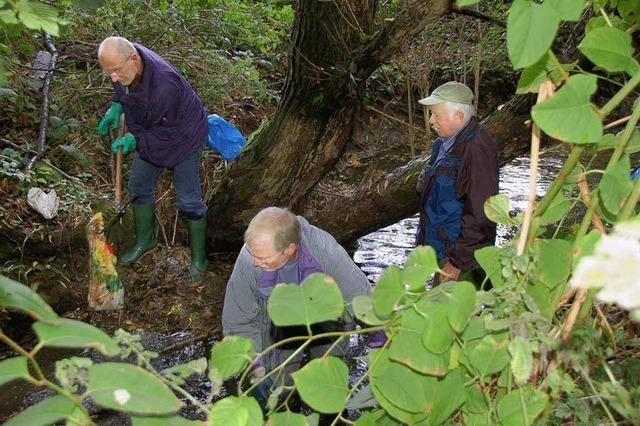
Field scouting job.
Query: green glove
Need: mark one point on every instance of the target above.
(111, 119)
(127, 142)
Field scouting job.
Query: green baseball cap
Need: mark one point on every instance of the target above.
(452, 92)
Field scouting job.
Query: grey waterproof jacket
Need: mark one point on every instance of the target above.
(245, 310)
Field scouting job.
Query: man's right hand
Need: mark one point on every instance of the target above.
(111, 119)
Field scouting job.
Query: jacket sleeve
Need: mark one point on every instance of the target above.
(241, 311)
(478, 180)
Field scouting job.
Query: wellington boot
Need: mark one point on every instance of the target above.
(198, 241)
(145, 234)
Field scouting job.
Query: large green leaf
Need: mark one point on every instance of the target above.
(521, 406)
(39, 16)
(128, 388)
(232, 355)
(611, 49)
(323, 384)
(178, 373)
(521, 360)
(448, 396)
(437, 335)
(388, 292)
(585, 246)
(415, 277)
(569, 116)
(236, 411)
(163, 421)
(461, 306)
(316, 299)
(12, 369)
(49, 411)
(363, 308)
(475, 401)
(423, 256)
(379, 364)
(616, 185)
(68, 333)
(407, 347)
(554, 263)
(487, 258)
(544, 69)
(567, 10)
(558, 209)
(497, 210)
(287, 419)
(18, 296)
(489, 354)
(531, 28)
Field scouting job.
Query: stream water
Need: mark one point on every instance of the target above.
(375, 252)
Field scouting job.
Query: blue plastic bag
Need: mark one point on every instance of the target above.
(224, 137)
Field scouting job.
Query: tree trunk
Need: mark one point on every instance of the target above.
(334, 49)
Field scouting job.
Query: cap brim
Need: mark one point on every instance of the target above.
(431, 100)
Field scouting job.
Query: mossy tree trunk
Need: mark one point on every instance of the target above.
(335, 46)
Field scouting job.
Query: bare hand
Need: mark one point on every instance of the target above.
(449, 273)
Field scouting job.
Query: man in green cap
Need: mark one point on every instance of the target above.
(167, 129)
(462, 172)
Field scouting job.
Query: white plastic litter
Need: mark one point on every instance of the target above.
(44, 203)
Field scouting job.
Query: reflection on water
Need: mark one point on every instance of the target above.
(390, 246)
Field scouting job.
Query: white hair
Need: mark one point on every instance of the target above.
(467, 110)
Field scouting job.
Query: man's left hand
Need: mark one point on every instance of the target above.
(449, 273)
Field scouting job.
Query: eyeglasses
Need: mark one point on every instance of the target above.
(118, 69)
(263, 260)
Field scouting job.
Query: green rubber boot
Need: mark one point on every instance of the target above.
(197, 239)
(145, 233)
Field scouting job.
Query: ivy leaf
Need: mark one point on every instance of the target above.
(569, 116)
(323, 384)
(316, 299)
(231, 356)
(531, 28)
(497, 210)
(616, 185)
(611, 49)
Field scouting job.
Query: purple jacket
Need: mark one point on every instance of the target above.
(163, 112)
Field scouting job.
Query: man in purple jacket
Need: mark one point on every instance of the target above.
(167, 129)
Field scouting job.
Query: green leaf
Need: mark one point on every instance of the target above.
(8, 16)
(600, 21)
(569, 116)
(497, 210)
(461, 306)
(488, 260)
(611, 49)
(408, 349)
(363, 309)
(448, 396)
(585, 246)
(544, 69)
(558, 209)
(437, 335)
(39, 16)
(128, 388)
(489, 354)
(616, 185)
(287, 419)
(20, 297)
(521, 360)
(531, 28)
(232, 355)
(415, 277)
(567, 10)
(67, 333)
(316, 299)
(236, 411)
(554, 263)
(49, 411)
(423, 256)
(521, 406)
(179, 373)
(388, 292)
(323, 384)
(463, 3)
(476, 401)
(163, 421)
(13, 368)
